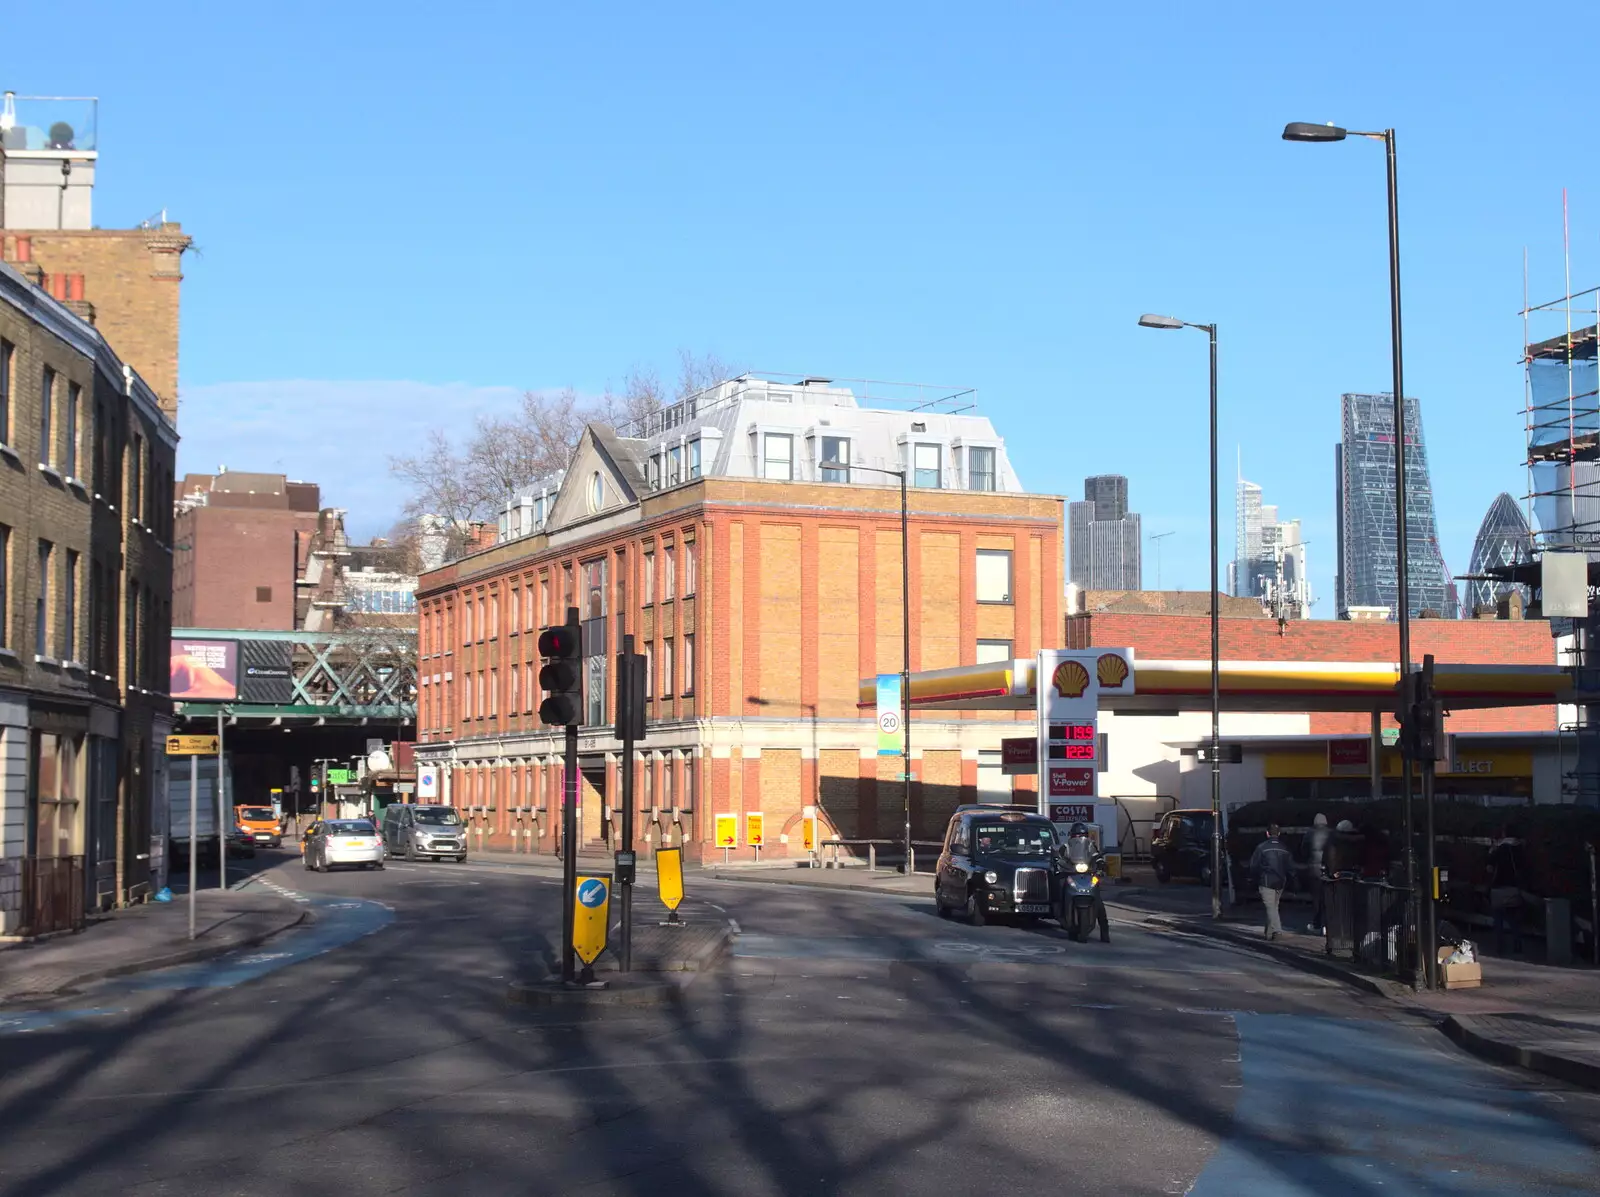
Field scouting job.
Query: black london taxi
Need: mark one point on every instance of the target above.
(998, 861)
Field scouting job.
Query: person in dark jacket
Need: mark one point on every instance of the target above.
(1505, 890)
(1271, 867)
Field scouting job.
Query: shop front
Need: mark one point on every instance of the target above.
(1340, 769)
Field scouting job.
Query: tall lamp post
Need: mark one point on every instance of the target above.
(905, 639)
(1305, 131)
(1150, 321)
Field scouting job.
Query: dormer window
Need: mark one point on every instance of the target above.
(694, 458)
(777, 456)
(927, 465)
(834, 458)
(674, 465)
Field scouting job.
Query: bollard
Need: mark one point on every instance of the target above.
(872, 858)
(1557, 931)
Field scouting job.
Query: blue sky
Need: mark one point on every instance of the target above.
(408, 213)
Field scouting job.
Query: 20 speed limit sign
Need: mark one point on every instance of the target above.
(889, 721)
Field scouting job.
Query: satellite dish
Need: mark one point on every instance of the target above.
(378, 761)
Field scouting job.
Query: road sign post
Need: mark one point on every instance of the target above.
(223, 821)
(194, 819)
(727, 828)
(754, 830)
(630, 700)
(591, 921)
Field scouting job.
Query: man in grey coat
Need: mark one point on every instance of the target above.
(1316, 868)
(1271, 866)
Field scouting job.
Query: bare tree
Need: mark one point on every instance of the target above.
(696, 373)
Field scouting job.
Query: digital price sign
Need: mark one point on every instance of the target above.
(1072, 752)
(1072, 732)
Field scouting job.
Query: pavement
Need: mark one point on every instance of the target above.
(143, 938)
(849, 1043)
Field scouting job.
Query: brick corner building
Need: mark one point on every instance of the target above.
(743, 539)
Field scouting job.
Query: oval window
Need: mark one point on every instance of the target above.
(597, 492)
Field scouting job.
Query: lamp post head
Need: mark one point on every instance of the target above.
(1306, 131)
(1151, 321)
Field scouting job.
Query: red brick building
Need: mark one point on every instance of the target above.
(762, 585)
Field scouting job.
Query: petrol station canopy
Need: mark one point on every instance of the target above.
(1162, 687)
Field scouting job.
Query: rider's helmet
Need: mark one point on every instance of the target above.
(1078, 830)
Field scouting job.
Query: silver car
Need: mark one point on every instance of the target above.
(334, 842)
(416, 830)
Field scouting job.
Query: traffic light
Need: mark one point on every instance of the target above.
(632, 691)
(561, 676)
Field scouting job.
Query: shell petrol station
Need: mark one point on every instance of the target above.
(1116, 733)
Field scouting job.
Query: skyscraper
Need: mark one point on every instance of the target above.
(1368, 570)
(1104, 549)
(1269, 556)
(1503, 539)
(1246, 570)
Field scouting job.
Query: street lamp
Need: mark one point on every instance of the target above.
(1303, 131)
(1168, 322)
(905, 640)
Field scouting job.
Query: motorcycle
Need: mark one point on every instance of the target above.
(1078, 894)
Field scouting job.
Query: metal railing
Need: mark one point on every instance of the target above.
(872, 846)
(52, 895)
(1369, 923)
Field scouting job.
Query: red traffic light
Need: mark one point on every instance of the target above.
(563, 641)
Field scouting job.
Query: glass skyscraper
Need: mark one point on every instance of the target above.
(1364, 475)
(1503, 539)
(1104, 546)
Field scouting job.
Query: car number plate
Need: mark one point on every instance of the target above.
(1034, 908)
(357, 844)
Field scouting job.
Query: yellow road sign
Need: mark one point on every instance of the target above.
(727, 831)
(591, 916)
(752, 828)
(669, 876)
(192, 746)
(808, 834)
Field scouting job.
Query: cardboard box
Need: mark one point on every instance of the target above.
(1462, 976)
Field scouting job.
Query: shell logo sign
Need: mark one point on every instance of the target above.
(1111, 670)
(1071, 679)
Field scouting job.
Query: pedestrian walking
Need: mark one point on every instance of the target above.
(1272, 868)
(1316, 868)
(1505, 890)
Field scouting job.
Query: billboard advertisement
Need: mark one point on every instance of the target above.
(264, 671)
(205, 670)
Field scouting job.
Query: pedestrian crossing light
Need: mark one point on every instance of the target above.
(561, 676)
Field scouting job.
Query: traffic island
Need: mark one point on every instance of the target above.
(631, 990)
(666, 960)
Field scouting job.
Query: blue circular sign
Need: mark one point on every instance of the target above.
(592, 892)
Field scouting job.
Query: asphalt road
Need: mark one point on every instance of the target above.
(852, 1044)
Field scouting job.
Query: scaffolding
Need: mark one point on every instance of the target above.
(1561, 407)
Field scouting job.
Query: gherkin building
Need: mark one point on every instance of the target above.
(1503, 539)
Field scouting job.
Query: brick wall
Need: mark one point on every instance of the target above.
(239, 568)
(131, 280)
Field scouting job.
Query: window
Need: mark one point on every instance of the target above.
(483, 616)
(836, 448)
(263, 594)
(652, 472)
(544, 600)
(669, 573)
(688, 664)
(7, 350)
(597, 492)
(69, 603)
(514, 705)
(993, 650)
(777, 456)
(130, 636)
(620, 573)
(980, 469)
(466, 621)
(688, 783)
(136, 478)
(479, 703)
(41, 605)
(47, 401)
(694, 459)
(5, 583)
(674, 465)
(57, 768)
(994, 575)
(666, 668)
(494, 693)
(689, 570)
(102, 444)
(649, 671)
(595, 692)
(69, 463)
(667, 768)
(571, 593)
(926, 465)
(494, 615)
(649, 578)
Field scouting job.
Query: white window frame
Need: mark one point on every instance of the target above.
(1011, 576)
(819, 437)
(765, 462)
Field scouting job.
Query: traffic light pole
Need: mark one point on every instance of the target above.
(625, 700)
(1430, 939)
(569, 851)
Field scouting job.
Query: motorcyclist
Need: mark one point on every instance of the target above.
(1081, 849)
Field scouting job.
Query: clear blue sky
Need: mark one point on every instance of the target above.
(473, 199)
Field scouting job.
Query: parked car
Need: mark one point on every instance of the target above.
(343, 841)
(1181, 845)
(998, 861)
(416, 830)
